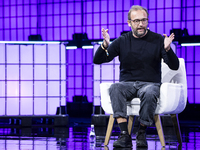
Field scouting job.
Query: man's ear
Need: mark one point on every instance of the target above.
(129, 23)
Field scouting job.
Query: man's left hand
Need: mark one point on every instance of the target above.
(168, 41)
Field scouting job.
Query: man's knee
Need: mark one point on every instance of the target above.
(114, 88)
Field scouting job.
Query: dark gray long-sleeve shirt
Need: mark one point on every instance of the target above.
(140, 58)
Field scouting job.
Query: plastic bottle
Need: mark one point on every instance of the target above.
(92, 137)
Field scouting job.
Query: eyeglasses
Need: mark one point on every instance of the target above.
(137, 21)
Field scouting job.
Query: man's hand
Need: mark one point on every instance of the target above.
(168, 41)
(106, 37)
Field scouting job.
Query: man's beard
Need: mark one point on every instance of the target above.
(138, 34)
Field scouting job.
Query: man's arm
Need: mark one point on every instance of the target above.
(100, 56)
(171, 60)
(168, 54)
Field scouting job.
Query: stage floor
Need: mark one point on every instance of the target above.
(76, 137)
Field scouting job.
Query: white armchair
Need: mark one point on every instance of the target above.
(173, 99)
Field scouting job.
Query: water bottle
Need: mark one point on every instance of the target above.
(92, 137)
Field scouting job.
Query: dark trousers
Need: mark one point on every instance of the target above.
(148, 93)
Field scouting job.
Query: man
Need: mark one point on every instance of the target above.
(140, 52)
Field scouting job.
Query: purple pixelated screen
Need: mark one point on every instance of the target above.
(57, 20)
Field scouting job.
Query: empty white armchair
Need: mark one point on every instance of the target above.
(173, 99)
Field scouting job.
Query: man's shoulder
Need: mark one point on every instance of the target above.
(123, 37)
(155, 35)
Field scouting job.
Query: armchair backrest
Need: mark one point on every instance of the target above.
(175, 76)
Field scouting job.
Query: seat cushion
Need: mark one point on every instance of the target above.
(135, 101)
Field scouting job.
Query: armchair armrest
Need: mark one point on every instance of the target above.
(105, 97)
(172, 99)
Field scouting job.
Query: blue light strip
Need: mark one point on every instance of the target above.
(190, 44)
(100, 42)
(71, 47)
(87, 47)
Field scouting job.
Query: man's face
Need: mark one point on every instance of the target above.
(138, 23)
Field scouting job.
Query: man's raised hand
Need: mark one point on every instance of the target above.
(106, 37)
(168, 41)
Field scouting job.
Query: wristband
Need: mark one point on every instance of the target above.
(105, 50)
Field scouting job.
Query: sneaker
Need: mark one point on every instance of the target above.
(141, 139)
(124, 140)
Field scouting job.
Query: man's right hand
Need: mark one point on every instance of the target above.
(106, 37)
